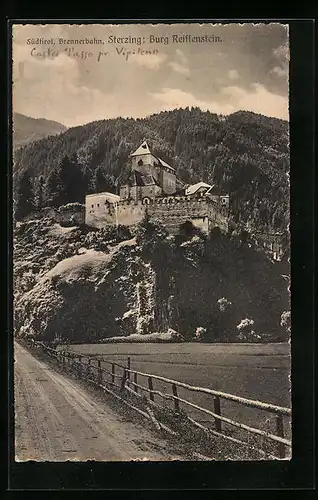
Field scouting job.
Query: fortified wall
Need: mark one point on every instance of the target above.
(170, 211)
(72, 214)
(173, 212)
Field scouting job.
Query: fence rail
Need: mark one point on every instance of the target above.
(244, 401)
(130, 381)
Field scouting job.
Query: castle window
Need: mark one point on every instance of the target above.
(92, 206)
(98, 204)
(140, 163)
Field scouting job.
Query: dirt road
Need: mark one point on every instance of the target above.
(57, 419)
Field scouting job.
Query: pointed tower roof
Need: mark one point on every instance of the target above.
(142, 150)
(165, 164)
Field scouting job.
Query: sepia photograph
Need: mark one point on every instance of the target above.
(151, 242)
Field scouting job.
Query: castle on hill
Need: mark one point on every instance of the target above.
(153, 186)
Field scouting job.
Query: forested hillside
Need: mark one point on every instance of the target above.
(246, 154)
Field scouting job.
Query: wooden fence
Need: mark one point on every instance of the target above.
(142, 385)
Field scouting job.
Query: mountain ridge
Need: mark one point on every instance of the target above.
(27, 129)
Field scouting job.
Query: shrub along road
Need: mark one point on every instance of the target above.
(57, 419)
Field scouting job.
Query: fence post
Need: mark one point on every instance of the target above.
(280, 433)
(123, 380)
(135, 380)
(113, 373)
(128, 372)
(75, 356)
(99, 373)
(88, 369)
(79, 367)
(217, 410)
(175, 394)
(72, 364)
(150, 385)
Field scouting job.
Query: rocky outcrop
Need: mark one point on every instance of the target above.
(91, 285)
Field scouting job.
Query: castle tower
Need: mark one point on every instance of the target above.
(144, 161)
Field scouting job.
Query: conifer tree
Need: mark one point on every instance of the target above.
(39, 193)
(98, 181)
(24, 200)
(53, 189)
(65, 184)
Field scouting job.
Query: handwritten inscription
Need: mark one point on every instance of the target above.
(120, 51)
(85, 55)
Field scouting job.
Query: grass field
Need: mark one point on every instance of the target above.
(254, 371)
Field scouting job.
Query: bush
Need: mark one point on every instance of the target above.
(285, 320)
(150, 235)
(200, 334)
(187, 231)
(96, 241)
(246, 332)
(224, 304)
(193, 250)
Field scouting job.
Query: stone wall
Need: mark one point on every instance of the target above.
(178, 210)
(219, 216)
(147, 169)
(168, 181)
(51, 212)
(124, 192)
(170, 211)
(202, 223)
(147, 159)
(66, 215)
(99, 212)
(222, 200)
(139, 192)
(72, 214)
(130, 213)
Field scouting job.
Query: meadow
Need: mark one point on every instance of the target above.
(255, 371)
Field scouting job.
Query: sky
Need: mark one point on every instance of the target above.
(233, 67)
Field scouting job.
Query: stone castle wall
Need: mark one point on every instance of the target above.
(66, 215)
(72, 214)
(147, 159)
(168, 181)
(170, 211)
(202, 213)
(138, 192)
